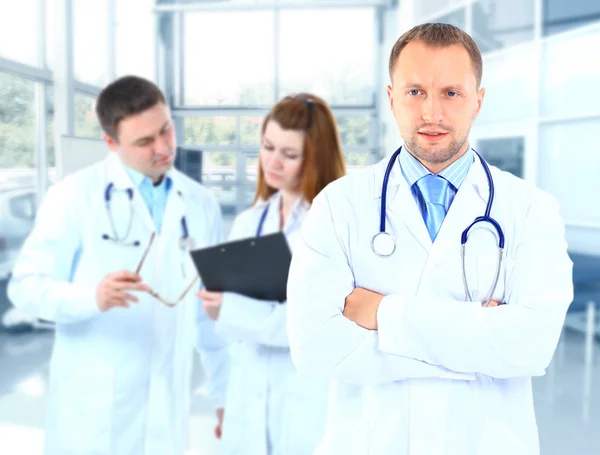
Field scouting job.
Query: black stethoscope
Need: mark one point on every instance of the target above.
(185, 242)
(383, 244)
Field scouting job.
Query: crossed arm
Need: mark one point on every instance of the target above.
(360, 337)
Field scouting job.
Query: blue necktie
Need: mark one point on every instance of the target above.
(436, 193)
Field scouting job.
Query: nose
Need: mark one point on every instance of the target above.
(432, 111)
(277, 160)
(163, 146)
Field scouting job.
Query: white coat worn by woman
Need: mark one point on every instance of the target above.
(270, 408)
(264, 391)
(120, 380)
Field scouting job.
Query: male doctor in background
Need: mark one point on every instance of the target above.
(121, 366)
(418, 366)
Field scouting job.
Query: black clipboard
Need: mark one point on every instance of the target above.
(256, 267)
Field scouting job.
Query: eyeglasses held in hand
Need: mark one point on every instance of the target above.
(155, 294)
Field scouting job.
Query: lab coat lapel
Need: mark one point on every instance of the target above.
(272, 222)
(401, 204)
(296, 215)
(172, 230)
(118, 176)
(469, 203)
(170, 252)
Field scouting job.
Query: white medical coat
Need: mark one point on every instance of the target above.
(440, 375)
(270, 408)
(119, 380)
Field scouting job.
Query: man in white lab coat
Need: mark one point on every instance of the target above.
(420, 363)
(108, 261)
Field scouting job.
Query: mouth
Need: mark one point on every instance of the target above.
(433, 136)
(164, 160)
(272, 176)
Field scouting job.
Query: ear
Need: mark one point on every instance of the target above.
(479, 101)
(113, 145)
(390, 97)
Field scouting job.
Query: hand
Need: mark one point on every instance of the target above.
(110, 293)
(219, 427)
(211, 303)
(361, 307)
(492, 303)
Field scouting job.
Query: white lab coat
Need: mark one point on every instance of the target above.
(120, 380)
(265, 393)
(441, 376)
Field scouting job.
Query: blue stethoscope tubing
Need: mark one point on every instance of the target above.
(383, 244)
(261, 222)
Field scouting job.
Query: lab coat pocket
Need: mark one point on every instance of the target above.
(85, 410)
(498, 438)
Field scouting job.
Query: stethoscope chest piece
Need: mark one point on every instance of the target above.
(383, 244)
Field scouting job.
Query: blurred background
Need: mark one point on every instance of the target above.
(223, 63)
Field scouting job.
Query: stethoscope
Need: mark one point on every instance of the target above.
(384, 244)
(185, 242)
(261, 222)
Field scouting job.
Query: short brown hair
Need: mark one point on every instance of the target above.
(127, 96)
(323, 160)
(439, 35)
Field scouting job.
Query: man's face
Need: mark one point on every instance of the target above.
(435, 99)
(146, 142)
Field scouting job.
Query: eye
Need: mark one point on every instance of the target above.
(413, 92)
(452, 94)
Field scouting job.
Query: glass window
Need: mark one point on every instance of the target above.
(505, 153)
(134, 30)
(251, 169)
(249, 188)
(337, 66)
(210, 130)
(90, 41)
(50, 33)
(17, 168)
(228, 58)
(570, 74)
(502, 23)
(568, 168)
(250, 128)
(17, 122)
(561, 15)
(51, 155)
(457, 18)
(353, 130)
(510, 91)
(86, 122)
(218, 167)
(19, 31)
(219, 174)
(426, 9)
(355, 160)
